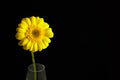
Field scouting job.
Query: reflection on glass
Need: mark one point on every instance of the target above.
(41, 73)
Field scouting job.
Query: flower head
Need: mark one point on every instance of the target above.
(34, 34)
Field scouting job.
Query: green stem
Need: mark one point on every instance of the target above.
(34, 66)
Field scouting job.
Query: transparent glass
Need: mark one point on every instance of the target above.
(40, 69)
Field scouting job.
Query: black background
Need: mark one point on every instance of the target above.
(79, 49)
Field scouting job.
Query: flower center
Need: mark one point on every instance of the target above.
(36, 33)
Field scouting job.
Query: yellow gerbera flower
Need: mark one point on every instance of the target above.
(34, 34)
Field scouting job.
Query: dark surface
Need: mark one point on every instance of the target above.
(78, 51)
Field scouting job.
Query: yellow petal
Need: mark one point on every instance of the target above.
(20, 42)
(37, 20)
(31, 48)
(35, 47)
(28, 45)
(49, 33)
(19, 36)
(45, 44)
(40, 22)
(47, 39)
(20, 30)
(23, 25)
(24, 42)
(39, 47)
(33, 20)
(27, 20)
(46, 25)
(25, 47)
(42, 45)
